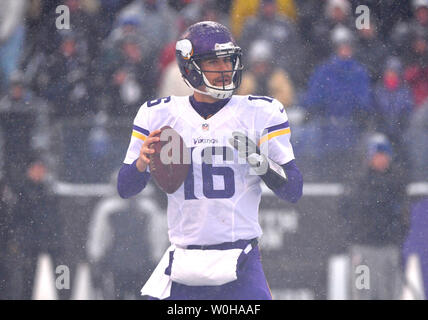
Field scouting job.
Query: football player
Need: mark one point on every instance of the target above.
(213, 217)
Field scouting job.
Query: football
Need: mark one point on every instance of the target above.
(170, 163)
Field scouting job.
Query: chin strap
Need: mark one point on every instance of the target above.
(211, 90)
(217, 95)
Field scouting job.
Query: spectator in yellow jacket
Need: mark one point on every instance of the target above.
(263, 78)
(243, 9)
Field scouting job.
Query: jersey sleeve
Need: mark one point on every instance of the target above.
(275, 138)
(140, 131)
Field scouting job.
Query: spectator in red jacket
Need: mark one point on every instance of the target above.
(416, 73)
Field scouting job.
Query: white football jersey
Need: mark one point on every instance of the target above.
(219, 200)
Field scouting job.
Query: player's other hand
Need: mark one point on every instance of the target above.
(146, 149)
(243, 144)
(270, 172)
(248, 149)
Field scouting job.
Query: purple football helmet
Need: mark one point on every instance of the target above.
(207, 40)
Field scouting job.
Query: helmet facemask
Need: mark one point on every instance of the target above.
(235, 74)
(193, 66)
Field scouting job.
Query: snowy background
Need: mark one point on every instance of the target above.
(73, 74)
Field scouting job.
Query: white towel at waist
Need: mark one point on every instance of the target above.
(159, 283)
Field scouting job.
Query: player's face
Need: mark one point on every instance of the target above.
(216, 68)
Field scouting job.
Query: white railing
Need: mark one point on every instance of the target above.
(309, 189)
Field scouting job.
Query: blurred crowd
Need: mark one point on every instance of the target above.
(342, 85)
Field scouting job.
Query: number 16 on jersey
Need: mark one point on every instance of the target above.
(209, 174)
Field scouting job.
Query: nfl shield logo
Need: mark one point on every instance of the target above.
(205, 127)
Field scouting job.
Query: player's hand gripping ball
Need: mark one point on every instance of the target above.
(170, 163)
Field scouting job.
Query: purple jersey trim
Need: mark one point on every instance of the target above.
(292, 190)
(130, 181)
(141, 130)
(278, 126)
